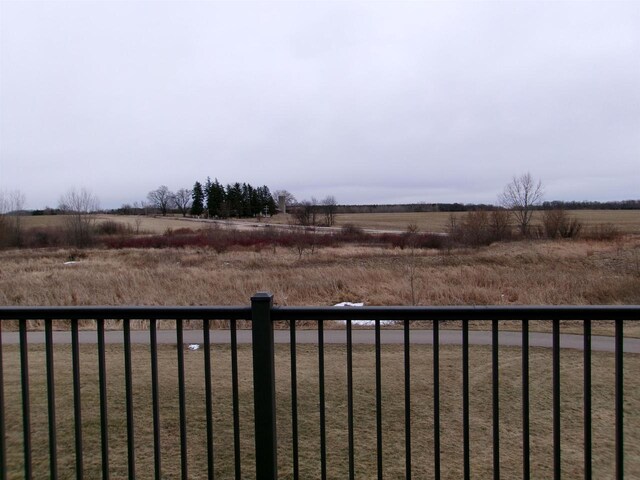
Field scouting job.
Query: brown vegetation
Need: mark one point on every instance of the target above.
(336, 412)
(544, 272)
(625, 221)
(210, 266)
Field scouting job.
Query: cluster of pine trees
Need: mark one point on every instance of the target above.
(232, 200)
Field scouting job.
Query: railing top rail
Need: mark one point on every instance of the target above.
(528, 312)
(130, 312)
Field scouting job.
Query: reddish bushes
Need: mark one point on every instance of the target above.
(223, 240)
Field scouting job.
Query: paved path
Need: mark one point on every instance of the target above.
(418, 337)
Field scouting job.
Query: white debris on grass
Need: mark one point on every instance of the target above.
(70, 263)
(349, 304)
(361, 322)
(193, 347)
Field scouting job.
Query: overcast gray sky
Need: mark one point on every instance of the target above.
(385, 102)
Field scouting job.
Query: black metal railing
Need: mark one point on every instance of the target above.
(262, 316)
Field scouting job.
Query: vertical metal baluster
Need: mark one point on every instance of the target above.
(182, 400)
(323, 432)
(235, 395)
(378, 399)
(208, 395)
(436, 399)
(496, 399)
(26, 415)
(104, 422)
(407, 400)
(51, 399)
(77, 405)
(294, 399)
(131, 455)
(619, 401)
(526, 455)
(587, 397)
(264, 387)
(352, 468)
(3, 444)
(557, 465)
(155, 393)
(465, 400)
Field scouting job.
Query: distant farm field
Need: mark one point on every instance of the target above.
(626, 221)
(146, 224)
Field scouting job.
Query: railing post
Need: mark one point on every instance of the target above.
(264, 388)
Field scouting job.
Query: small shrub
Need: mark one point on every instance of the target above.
(109, 227)
(179, 231)
(430, 240)
(474, 229)
(603, 232)
(351, 231)
(41, 237)
(557, 224)
(500, 225)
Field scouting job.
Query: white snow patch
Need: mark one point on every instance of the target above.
(361, 322)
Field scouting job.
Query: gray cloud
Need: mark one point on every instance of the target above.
(371, 102)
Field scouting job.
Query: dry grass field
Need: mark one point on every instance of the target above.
(336, 411)
(541, 272)
(519, 273)
(626, 221)
(144, 224)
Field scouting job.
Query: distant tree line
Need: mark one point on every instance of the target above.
(213, 199)
(414, 207)
(588, 205)
(472, 207)
(313, 212)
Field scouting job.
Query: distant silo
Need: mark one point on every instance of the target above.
(282, 200)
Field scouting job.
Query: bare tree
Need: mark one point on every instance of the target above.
(499, 224)
(306, 212)
(77, 206)
(329, 208)
(17, 200)
(411, 236)
(182, 200)
(4, 222)
(161, 198)
(11, 211)
(289, 198)
(520, 196)
(138, 223)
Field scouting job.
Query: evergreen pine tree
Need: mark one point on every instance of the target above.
(197, 207)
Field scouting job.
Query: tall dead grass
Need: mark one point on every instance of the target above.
(523, 273)
(541, 272)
